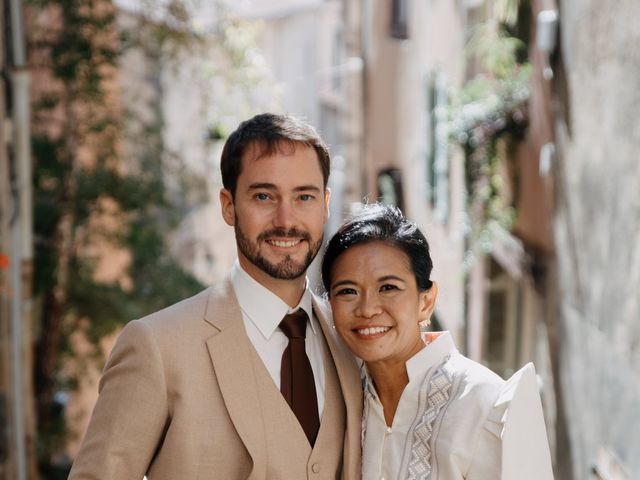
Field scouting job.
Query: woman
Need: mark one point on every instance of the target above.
(429, 412)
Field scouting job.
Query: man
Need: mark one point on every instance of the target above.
(216, 387)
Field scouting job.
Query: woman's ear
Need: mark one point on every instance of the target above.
(428, 302)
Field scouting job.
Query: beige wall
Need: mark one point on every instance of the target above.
(397, 123)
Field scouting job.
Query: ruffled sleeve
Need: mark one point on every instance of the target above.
(516, 418)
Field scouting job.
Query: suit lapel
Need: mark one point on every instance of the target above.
(351, 386)
(345, 363)
(231, 353)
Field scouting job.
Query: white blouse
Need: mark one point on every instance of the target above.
(456, 419)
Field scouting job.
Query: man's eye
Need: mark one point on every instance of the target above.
(305, 197)
(261, 196)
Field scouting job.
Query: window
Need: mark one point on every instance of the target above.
(502, 336)
(399, 19)
(390, 187)
(438, 138)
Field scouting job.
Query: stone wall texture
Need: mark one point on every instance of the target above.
(597, 232)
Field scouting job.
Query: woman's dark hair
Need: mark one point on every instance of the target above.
(270, 132)
(381, 223)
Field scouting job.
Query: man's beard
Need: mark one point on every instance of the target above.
(287, 269)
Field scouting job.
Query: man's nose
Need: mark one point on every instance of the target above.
(284, 215)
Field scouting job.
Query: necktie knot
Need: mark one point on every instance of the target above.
(294, 325)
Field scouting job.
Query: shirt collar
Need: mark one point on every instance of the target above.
(431, 355)
(263, 307)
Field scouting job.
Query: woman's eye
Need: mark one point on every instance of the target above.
(345, 291)
(388, 287)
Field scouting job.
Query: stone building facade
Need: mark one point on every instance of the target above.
(596, 236)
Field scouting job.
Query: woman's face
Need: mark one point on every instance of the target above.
(376, 304)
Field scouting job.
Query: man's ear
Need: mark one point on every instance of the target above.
(227, 207)
(428, 302)
(327, 197)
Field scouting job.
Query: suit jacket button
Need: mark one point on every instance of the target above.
(315, 468)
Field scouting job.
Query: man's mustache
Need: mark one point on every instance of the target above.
(284, 233)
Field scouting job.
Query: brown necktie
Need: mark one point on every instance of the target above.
(296, 377)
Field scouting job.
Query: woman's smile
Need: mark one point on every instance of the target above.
(371, 332)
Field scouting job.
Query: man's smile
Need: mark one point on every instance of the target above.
(284, 243)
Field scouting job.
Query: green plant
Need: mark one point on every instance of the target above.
(88, 194)
(487, 116)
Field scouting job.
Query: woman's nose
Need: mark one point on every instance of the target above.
(368, 306)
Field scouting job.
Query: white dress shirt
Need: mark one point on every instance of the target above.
(456, 420)
(262, 312)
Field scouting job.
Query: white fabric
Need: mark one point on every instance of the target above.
(519, 460)
(451, 420)
(262, 312)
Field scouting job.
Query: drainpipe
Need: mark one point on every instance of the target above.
(21, 236)
(365, 45)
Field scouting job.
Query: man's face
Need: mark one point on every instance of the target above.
(278, 213)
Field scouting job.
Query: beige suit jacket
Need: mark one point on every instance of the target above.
(184, 395)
